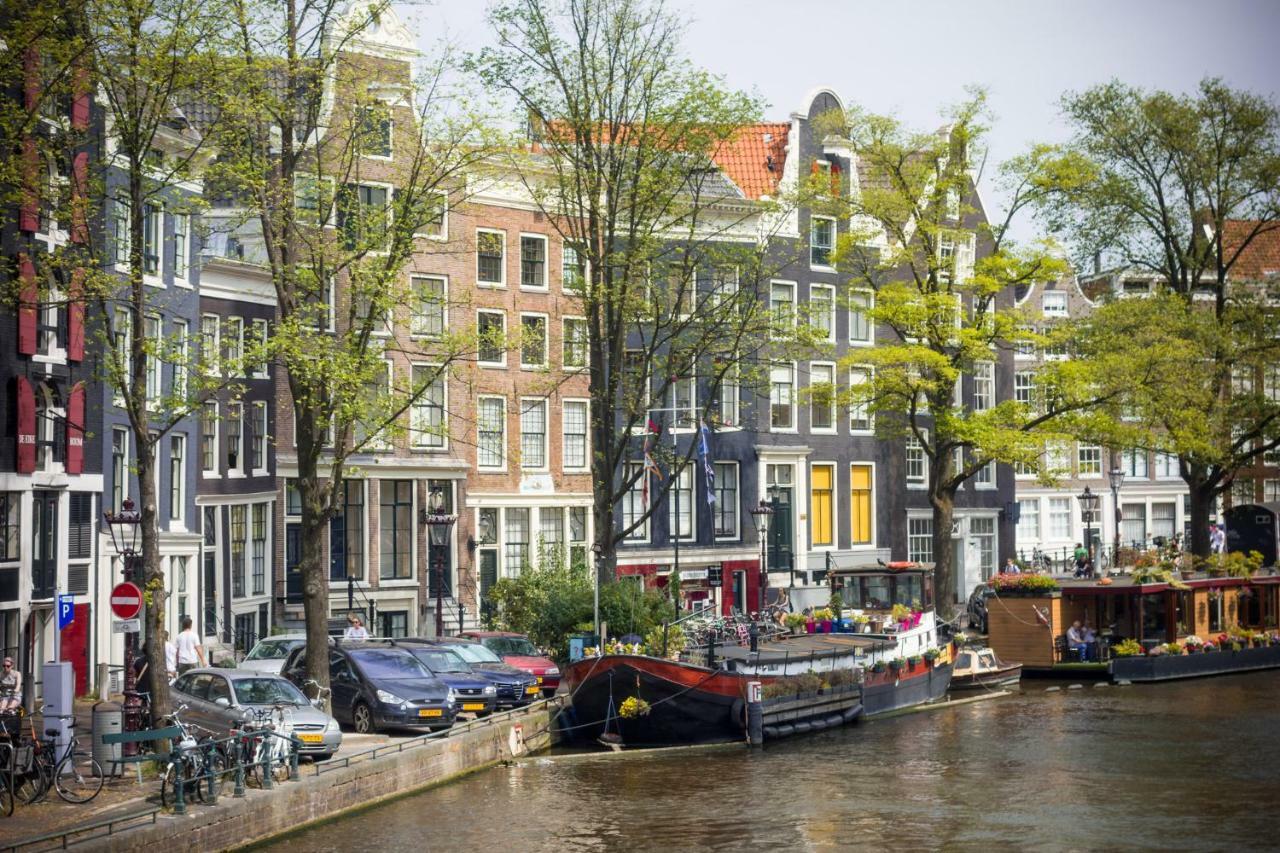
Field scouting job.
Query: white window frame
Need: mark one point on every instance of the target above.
(237, 339)
(921, 482)
(737, 506)
(984, 373)
(494, 285)
(181, 348)
(831, 308)
(391, 131)
(691, 511)
(182, 249)
(154, 234)
(986, 477)
(1080, 451)
(416, 305)
(1024, 381)
(154, 335)
(586, 435)
(178, 489)
(564, 286)
(564, 344)
(866, 373)
(502, 433)
(259, 369)
(912, 534)
(730, 390)
(1056, 310)
(1165, 466)
(235, 411)
(261, 423)
(773, 304)
(479, 355)
(443, 236)
(795, 415)
(1054, 533)
(389, 208)
(1023, 515)
(546, 262)
(120, 483)
(830, 248)
(854, 295)
(830, 367)
(216, 420)
(529, 404)
(635, 493)
(120, 208)
(546, 340)
(420, 439)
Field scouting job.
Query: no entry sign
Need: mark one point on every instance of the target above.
(126, 600)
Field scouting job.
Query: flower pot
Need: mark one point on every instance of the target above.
(825, 626)
(809, 627)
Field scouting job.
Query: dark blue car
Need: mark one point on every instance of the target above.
(472, 693)
(515, 686)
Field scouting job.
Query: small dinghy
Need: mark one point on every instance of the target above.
(979, 668)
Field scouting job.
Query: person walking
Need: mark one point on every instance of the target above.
(190, 653)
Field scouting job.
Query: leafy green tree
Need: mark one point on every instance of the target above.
(1182, 186)
(624, 131)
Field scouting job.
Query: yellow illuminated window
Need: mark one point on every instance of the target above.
(860, 504)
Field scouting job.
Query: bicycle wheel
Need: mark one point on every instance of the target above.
(215, 766)
(175, 773)
(6, 796)
(34, 784)
(78, 778)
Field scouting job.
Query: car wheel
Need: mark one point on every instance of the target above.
(362, 718)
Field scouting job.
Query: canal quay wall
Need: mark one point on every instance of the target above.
(340, 790)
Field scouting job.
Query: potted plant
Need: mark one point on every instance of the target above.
(1127, 649)
(836, 606)
(795, 622)
(878, 666)
(823, 617)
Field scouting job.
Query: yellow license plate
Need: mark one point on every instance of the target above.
(532, 688)
(430, 712)
(539, 679)
(311, 738)
(473, 706)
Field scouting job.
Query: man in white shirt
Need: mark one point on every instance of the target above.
(171, 659)
(190, 652)
(1075, 640)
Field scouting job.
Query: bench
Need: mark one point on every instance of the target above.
(170, 733)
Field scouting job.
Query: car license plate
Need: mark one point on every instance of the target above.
(430, 712)
(532, 688)
(473, 706)
(311, 738)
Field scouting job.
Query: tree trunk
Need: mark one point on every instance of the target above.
(1202, 495)
(944, 581)
(315, 522)
(152, 583)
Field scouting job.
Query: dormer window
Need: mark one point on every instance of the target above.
(1054, 303)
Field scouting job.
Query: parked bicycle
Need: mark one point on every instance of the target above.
(75, 775)
(267, 742)
(199, 766)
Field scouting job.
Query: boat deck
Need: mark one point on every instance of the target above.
(803, 646)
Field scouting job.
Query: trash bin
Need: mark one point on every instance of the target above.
(108, 718)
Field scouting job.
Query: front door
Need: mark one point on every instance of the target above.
(488, 577)
(44, 551)
(292, 563)
(75, 647)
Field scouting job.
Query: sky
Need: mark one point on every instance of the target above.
(915, 58)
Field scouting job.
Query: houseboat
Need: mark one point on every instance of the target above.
(878, 660)
(1148, 626)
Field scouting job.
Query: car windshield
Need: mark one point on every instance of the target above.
(439, 660)
(272, 649)
(267, 691)
(390, 663)
(474, 653)
(511, 646)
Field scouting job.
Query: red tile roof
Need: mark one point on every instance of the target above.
(1261, 258)
(745, 158)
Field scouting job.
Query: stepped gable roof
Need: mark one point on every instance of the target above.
(1260, 260)
(745, 157)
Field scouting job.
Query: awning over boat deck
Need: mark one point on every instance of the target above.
(806, 645)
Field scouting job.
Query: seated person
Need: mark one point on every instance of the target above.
(1090, 641)
(1076, 641)
(10, 688)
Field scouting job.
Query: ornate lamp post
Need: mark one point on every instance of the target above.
(126, 529)
(439, 524)
(1117, 480)
(1088, 506)
(760, 517)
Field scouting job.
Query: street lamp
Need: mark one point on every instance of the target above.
(125, 527)
(439, 524)
(1088, 506)
(760, 516)
(1117, 480)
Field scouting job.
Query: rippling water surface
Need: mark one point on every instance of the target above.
(1185, 766)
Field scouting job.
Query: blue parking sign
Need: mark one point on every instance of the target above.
(66, 611)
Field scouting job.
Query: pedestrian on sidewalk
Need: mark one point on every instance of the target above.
(189, 651)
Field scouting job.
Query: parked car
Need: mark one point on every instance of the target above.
(223, 699)
(472, 693)
(515, 686)
(516, 650)
(977, 607)
(376, 685)
(269, 653)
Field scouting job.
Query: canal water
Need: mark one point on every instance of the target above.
(1192, 765)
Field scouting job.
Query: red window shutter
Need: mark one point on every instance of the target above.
(835, 179)
(814, 169)
(79, 192)
(75, 317)
(29, 213)
(26, 462)
(80, 99)
(75, 429)
(28, 306)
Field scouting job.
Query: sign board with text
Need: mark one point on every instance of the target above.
(126, 626)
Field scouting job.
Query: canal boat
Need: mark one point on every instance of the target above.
(980, 668)
(810, 682)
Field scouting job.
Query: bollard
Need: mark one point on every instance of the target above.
(179, 786)
(294, 775)
(213, 773)
(267, 781)
(755, 714)
(239, 789)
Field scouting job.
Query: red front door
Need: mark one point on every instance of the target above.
(75, 647)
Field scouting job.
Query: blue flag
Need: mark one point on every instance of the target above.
(704, 450)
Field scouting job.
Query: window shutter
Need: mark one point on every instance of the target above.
(29, 212)
(75, 316)
(80, 99)
(79, 191)
(75, 429)
(814, 169)
(26, 455)
(28, 305)
(835, 178)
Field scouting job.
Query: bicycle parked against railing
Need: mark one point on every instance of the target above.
(75, 774)
(267, 742)
(199, 766)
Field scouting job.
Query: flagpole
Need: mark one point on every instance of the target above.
(675, 486)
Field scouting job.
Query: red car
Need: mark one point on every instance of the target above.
(515, 649)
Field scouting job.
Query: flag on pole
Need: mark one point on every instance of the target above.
(704, 450)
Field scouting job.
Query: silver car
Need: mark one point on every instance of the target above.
(268, 654)
(222, 699)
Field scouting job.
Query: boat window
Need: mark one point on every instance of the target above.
(1153, 617)
(987, 660)
(907, 590)
(962, 660)
(876, 593)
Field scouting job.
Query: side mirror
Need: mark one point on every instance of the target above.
(222, 702)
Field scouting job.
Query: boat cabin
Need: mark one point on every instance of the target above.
(1032, 626)
(869, 595)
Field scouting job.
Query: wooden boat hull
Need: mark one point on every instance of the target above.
(1004, 676)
